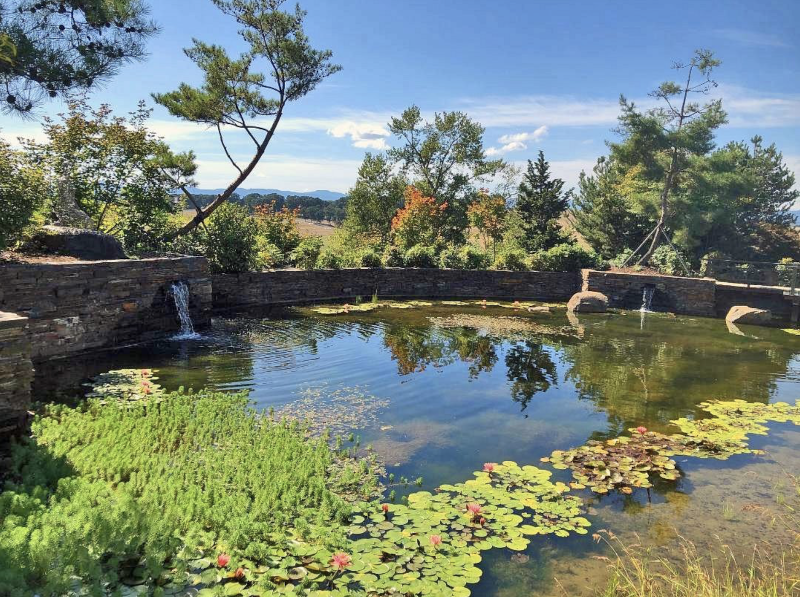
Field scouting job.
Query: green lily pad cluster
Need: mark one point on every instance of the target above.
(726, 432)
(625, 463)
(416, 304)
(432, 545)
(125, 385)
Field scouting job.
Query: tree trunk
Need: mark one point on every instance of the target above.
(206, 212)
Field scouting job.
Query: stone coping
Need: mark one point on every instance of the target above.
(12, 320)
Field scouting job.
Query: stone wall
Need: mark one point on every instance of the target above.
(686, 296)
(79, 307)
(759, 297)
(297, 287)
(16, 372)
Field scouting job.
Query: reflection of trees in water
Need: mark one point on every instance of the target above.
(416, 348)
(661, 374)
(531, 370)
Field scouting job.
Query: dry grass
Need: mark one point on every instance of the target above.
(770, 570)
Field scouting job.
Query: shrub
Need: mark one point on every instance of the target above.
(474, 258)
(706, 268)
(369, 258)
(667, 261)
(23, 190)
(392, 257)
(419, 221)
(511, 260)
(452, 258)
(231, 243)
(306, 254)
(420, 256)
(269, 256)
(622, 258)
(329, 260)
(567, 257)
(788, 272)
(279, 227)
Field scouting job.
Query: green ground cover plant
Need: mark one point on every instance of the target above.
(140, 490)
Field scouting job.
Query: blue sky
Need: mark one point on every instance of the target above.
(538, 74)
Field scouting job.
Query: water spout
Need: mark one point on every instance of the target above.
(647, 298)
(180, 292)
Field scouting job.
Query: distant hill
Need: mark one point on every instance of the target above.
(324, 195)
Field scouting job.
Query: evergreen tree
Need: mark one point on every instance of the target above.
(248, 94)
(540, 203)
(602, 214)
(49, 48)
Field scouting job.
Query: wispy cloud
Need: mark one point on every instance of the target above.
(750, 108)
(751, 38)
(548, 110)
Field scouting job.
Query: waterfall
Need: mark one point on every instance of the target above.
(180, 292)
(647, 298)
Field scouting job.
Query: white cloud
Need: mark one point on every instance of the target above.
(365, 135)
(751, 38)
(517, 141)
(536, 135)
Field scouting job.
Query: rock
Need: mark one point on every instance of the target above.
(588, 302)
(743, 315)
(76, 242)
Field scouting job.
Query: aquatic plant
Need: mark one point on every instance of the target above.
(625, 462)
(128, 385)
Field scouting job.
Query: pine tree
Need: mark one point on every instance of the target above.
(540, 203)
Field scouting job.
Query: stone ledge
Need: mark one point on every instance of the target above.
(12, 320)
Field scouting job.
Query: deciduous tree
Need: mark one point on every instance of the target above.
(374, 199)
(445, 159)
(488, 215)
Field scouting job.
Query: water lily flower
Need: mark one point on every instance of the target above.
(474, 509)
(385, 508)
(482, 521)
(223, 559)
(239, 573)
(489, 467)
(641, 430)
(341, 560)
(436, 540)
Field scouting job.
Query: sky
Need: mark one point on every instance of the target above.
(536, 74)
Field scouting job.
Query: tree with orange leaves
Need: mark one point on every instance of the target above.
(488, 215)
(419, 221)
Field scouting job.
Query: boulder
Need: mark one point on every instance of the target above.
(588, 302)
(76, 242)
(743, 315)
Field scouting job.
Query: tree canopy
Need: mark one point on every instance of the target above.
(50, 48)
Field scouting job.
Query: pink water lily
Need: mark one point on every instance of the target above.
(489, 467)
(641, 430)
(223, 559)
(341, 560)
(436, 540)
(385, 508)
(474, 509)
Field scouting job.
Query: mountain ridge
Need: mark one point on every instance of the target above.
(323, 194)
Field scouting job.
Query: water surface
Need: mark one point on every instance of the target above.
(514, 390)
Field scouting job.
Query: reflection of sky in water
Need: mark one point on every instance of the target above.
(459, 398)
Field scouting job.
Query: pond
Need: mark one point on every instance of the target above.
(438, 390)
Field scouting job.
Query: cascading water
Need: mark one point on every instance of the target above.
(647, 298)
(180, 292)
